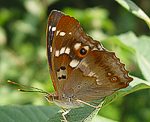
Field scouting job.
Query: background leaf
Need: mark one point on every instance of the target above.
(26, 113)
(141, 46)
(134, 9)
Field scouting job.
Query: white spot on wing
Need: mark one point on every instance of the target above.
(49, 28)
(50, 49)
(57, 53)
(62, 33)
(67, 51)
(57, 32)
(84, 64)
(100, 47)
(94, 48)
(91, 74)
(60, 73)
(62, 50)
(109, 74)
(86, 47)
(77, 46)
(74, 63)
(70, 33)
(98, 82)
(53, 28)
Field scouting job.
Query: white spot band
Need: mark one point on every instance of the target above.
(62, 33)
(77, 46)
(74, 63)
(49, 28)
(53, 28)
(62, 50)
(57, 53)
(50, 48)
(67, 51)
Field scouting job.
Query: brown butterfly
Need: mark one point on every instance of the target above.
(81, 69)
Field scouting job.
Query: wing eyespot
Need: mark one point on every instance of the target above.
(114, 79)
(82, 51)
(78, 86)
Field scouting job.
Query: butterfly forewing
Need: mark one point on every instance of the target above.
(60, 37)
(64, 36)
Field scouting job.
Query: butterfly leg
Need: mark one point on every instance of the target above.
(80, 101)
(64, 113)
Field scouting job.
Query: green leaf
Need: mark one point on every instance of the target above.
(144, 65)
(102, 119)
(141, 46)
(26, 113)
(143, 49)
(51, 114)
(134, 9)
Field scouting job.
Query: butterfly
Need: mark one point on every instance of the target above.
(81, 69)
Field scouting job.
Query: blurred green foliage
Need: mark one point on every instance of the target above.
(23, 49)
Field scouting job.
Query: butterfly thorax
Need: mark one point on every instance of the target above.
(64, 102)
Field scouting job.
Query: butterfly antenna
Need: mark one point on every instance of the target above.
(23, 90)
(27, 87)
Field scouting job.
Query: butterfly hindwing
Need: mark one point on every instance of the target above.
(98, 75)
